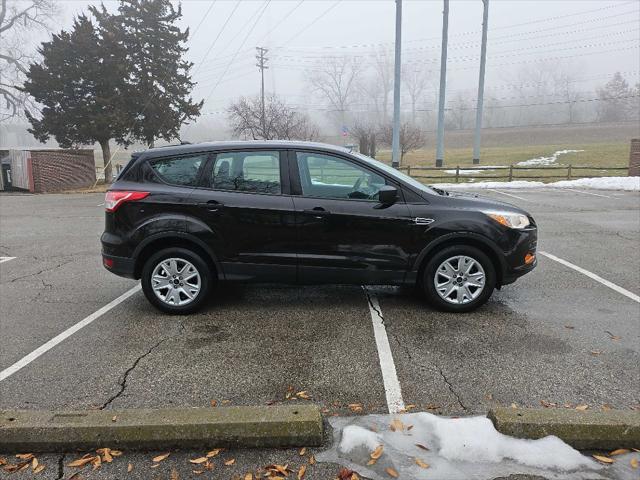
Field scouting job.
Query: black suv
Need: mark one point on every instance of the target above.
(181, 218)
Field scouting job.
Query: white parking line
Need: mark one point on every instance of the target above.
(507, 194)
(24, 361)
(592, 275)
(587, 193)
(6, 259)
(392, 390)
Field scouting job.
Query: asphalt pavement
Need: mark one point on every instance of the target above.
(556, 336)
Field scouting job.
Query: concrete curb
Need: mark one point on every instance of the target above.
(47, 431)
(583, 430)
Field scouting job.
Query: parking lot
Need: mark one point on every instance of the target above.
(557, 336)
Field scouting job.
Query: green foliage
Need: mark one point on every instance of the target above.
(80, 85)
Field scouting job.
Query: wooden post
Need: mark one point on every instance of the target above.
(409, 170)
(510, 173)
(457, 173)
(569, 172)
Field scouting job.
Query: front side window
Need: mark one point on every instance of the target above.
(327, 176)
(179, 170)
(257, 172)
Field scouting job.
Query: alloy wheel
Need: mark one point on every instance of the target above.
(459, 279)
(176, 281)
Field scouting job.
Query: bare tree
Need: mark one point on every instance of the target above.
(365, 132)
(280, 121)
(411, 137)
(416, 82)
(460, 111)
(18, 20)
(334, 79)
(565, 89)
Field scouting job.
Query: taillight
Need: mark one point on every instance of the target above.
(114, 199)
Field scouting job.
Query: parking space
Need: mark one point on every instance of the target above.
(555, 336)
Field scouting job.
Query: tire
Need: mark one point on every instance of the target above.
(466, 295)
(177, 300)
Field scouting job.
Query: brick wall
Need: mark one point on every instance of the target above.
(57, 170)
(634, 158)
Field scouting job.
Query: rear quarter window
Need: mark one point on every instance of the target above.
(183, 170)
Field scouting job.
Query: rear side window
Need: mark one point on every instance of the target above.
(257, 172)
(182, 170)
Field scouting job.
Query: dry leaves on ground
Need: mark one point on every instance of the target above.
(421, 463)
(391, 472)
(346, 474)
(396, 425)
(301, 472)
(582, 408)
(619, 451)
(355, 407)
(634, 462)
(603, 459)
(302, 451)
(162, 457)
(230, 462)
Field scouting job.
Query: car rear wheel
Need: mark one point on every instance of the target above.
(176, 280)
(459, 279)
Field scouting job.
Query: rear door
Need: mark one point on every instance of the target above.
(344, 234)
(246, 214)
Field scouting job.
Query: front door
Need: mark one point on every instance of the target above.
(344, 234)
(243, 201)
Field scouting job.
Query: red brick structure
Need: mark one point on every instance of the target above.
(634, 158)
(52, 170)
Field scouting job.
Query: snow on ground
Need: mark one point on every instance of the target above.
(546, 160)
(599, 183)
(476, 170)
(426, 446)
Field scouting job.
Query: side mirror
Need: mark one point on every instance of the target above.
(388, 195)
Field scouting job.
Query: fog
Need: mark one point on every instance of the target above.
(588, 41)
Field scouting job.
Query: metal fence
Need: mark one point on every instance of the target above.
(512, 172)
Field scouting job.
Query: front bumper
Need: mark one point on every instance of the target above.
(123, 266)
(517, 265)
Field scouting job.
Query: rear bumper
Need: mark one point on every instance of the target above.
(123, 266)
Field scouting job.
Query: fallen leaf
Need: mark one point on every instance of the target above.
(301, 472)
(106, 454)
(422, 447)
(213, 453)
(619, 451)
(391, 472)
(34, 463)
(634, 462)
(355, 407)
(304, 395)
(345, 474)
(25, 456)
(422, 464)
(396, 425)
(411, 406)
(602, 459)
(226, 402)
(38, 469)
(199, 460)
(606, 407)
(513, 405)
(155, 465)
(214, 403)
(377, 453)
(162, 457)
(96, 462)
(248, 476)
(354, 476)
(3, 461)
(114, 418)
(302, 451)
(81, 462)
(197, 472)
(546, 404)
(595, 353)
(582, 408)
(230, 462)
(432, 406)
(312, 460)
(174, 474)
(129, 467)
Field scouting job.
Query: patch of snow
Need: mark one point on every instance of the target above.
(457, 448)
(630, 184)
(471, 172)
(546, 160)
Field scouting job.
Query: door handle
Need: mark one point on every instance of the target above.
(211, 205)
(317, 212)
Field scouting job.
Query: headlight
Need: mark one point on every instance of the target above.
(509, 219)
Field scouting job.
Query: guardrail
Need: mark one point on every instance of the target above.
(511, 172)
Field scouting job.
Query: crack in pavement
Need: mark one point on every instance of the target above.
(61, 467)
(125, 377)
(407, 351)
(41, 271)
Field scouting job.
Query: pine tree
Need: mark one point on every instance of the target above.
(80, 85)
(159, 82)
(616, 100)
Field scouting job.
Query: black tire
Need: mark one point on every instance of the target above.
(206, 280)
(428, 278)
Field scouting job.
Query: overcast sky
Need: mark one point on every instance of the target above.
(592, 39)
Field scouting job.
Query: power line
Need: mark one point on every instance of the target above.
(203, 18)
(281, 20)
(215, 40)
(313, 22)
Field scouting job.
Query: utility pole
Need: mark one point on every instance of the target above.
(395, 142)
(443, 85)
(483, 61)
(262, 65)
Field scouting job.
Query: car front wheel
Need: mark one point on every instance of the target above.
(176, 280)
(459, 279)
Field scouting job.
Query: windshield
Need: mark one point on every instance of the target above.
(397, 174)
